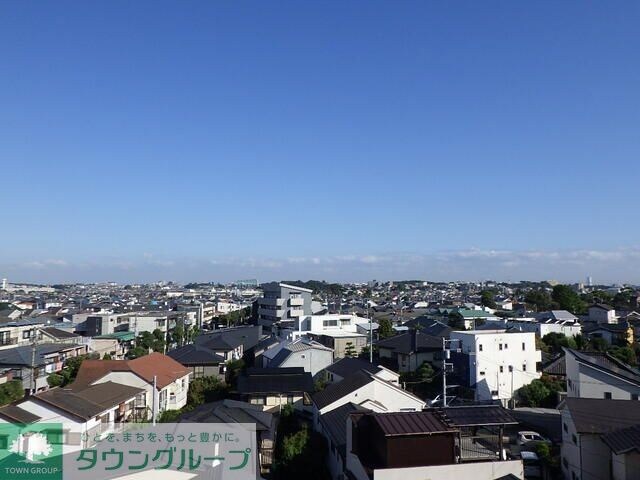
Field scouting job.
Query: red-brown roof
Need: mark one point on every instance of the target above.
(165, 369)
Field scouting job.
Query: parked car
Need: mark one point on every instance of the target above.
(531, 464)
(529, 436)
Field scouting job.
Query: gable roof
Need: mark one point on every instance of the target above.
(348, 365)
(22, 355)
(230, 411)
(409, 423)
(590, 414)
(275, 380)
(623, 440)
(164, 368)
(194, 355)
(335, 391)
(87, 402)
(429, 326)
(403, 343)
(299, 345)
(602, 306)
(606, 362)
(335, 423)
(231, 338)
(58, 333)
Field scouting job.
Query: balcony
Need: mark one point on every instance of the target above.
(271, 302)
(295, 313)
(296, 301)
(8, 341)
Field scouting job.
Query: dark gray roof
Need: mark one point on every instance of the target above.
(88, 402)
(602, 306)
(476, 415)
(348, 365)
(336, 391)
(58, 333)
(194, 355)
(409, 423)
(402, 343)
(608, 363)
(429, 326)
(15, 414)
(594, 415)
(275, 380)
(335, 423)
(557, 366)
(623, 440)
(230, 411)
(22, 355)
(231, 338)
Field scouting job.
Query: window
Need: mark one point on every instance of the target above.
(289, 399)
(198, 371)
(565, 462)
(499, 346)
(523, 346)
(565, 428)
(634, 396)
(501, 369)
(482, 374)
(511, 368)
(257, 401)
(479, 348)
(574, 439)
(26, 334)
(506, 346)
(330, 323)
(569, 383)
(607, 395)
(524, 367)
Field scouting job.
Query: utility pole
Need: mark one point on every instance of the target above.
(370, 335)
(446, 354)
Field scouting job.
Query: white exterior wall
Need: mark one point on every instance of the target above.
(584, 381)
(476, 471)
(387, 398)
(313, 361)
(486, 358)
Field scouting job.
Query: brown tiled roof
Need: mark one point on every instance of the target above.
(165, 369)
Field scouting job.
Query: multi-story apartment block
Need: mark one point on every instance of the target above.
(283, 302)
(495, 362)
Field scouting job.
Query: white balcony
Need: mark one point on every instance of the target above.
(296, 313)
(271, 313)
(296, 301)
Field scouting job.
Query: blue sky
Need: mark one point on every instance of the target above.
(340, 140)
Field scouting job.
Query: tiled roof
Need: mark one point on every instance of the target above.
(15, 414)
(348, 365)
(164, 368)
(594, 415)
(606, 362)
(275, 380)
(336, 391)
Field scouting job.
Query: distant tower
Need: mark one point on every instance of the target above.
(589, 281)
(4, 284)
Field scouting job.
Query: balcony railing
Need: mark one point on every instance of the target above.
(8, 341)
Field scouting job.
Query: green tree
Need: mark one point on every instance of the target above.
(55, 380)
(106, 356)
(11, 392)
(488, 298)
(205, 390)
(624, 354)
(425, 373)
(385, 328)
(534, 394)
(567, 299)
(137, 352)
(539, 300)
(178, 334)
(234, 368)
(555, 341)
(349, 350)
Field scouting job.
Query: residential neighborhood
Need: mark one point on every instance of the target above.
(446, 379)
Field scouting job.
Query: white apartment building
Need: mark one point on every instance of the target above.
(496, 363)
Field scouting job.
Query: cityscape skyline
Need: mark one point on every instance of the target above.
(472, 265)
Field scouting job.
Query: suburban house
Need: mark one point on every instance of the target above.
(342, 342)
(430, 444)
(15, 333)
(544, 325)
(312, 356)
(233, 411)
(602, 313)
(407, 351)
(116, 344)
(271, 388)
(621, 333)
(495, 362)
(85, 411)
(33, 364)
(367, 390)
(601, 376)
(345, 367)
(202, 361)
(600, 439)
(472, 318)
(231, 343)
(170, 379)
(57, 335)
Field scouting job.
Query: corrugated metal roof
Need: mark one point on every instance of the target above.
(623, 440)
(476, 415)
(409, 423)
